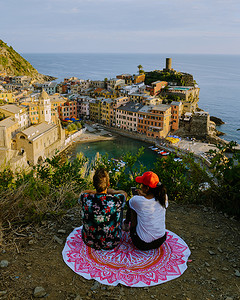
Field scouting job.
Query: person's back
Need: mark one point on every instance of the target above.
(150, 217)
(102, 213)
(102, 217)
(147, 213)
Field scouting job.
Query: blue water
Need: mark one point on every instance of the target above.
(116, 148)
(218, 76)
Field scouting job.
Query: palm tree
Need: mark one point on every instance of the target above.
(140, 69)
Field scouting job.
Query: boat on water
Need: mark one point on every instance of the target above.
(119, 163)
(164, 153)
(177, 159)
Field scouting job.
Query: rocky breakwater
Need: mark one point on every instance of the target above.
(218, 122)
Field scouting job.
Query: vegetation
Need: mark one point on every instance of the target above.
(74, 126)
(14, 64)
(54, 186)
(46, 190)
(2, 116)
(140, 69)
(164, 76)
(226, 170)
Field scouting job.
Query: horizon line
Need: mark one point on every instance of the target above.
(134, 53)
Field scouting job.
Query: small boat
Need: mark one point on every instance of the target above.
(164, 153)
(119, 164)
(177, 159)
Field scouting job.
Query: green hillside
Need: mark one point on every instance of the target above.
(13, 64)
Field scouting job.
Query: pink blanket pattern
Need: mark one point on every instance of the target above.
(126, 264)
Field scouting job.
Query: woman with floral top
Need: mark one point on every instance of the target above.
(102, 213)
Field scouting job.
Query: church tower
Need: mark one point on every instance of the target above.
(44, 108)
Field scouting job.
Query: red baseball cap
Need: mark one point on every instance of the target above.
(148, 178)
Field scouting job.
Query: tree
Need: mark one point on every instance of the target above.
(70, 127)
(79, 125)
(140, 69)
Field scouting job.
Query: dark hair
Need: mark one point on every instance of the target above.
(101, 180)
(159, 193)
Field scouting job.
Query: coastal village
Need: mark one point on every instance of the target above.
(38, 118)
(35, 116)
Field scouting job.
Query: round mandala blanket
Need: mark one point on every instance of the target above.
(126, 264)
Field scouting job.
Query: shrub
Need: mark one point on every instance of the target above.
(226, 169)
(122, 177)
(79, 125)
(48, 189)
(182, 179)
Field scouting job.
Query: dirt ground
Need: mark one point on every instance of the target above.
(35, 259)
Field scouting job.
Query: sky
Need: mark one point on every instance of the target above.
(121, 26)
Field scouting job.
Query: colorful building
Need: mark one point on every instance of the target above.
(68, 110)
(127, 116)
(176, 111)
(154, 121)
(7, 97)
(156, 87)
(106, 105)
(95, 109)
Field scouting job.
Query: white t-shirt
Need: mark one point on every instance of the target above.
(150, 217)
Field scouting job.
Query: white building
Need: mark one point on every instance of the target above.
(19, 113)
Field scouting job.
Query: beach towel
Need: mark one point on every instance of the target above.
(126, 264)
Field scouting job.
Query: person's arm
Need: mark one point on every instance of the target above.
(131, 216)
(112, 192)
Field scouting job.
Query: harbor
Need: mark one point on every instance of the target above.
(116, 143)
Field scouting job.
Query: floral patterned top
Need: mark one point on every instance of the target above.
(102, 217)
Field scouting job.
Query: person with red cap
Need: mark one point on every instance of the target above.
(147, 213)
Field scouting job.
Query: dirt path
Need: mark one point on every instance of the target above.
(35, 259)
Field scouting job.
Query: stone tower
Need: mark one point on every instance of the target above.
(44, 108)
(168, 64)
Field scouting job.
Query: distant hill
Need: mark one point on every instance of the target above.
(13, 64)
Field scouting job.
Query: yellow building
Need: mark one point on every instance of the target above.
(45, 108)
(56, 101)
(8, 129)
(34, 113)
(39, 141)
(106, 111)
(7, 96)
(95, 110)
(107, 94)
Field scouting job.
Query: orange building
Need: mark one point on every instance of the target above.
(68, 110)
(139, 78)
(176, 111)
(156, 87)
(154, 120)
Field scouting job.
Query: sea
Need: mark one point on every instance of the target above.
(218, 76)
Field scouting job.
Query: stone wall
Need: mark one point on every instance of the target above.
(199, 126)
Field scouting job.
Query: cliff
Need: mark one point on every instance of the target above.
(13, 64)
